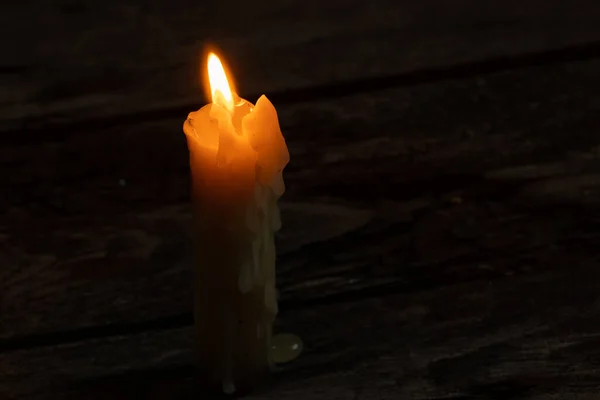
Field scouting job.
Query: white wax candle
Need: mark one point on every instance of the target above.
(237, 154)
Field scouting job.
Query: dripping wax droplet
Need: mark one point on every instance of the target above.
(285, 347)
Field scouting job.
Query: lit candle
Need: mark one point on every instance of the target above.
(237, 154)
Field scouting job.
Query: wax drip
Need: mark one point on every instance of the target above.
(285, 347)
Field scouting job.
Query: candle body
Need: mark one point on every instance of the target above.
(236, 159)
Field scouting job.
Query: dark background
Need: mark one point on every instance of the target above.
(440, 225)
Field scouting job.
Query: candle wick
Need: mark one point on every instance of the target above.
(221, 100)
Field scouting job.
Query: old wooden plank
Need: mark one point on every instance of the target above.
(102, 253)
(389, 164)
(73, 61)
(66, 280)
(528, 335)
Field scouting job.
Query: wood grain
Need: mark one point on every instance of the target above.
(526, 336)
(400, 182)
(73, 61)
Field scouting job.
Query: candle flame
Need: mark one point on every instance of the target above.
(220, 89)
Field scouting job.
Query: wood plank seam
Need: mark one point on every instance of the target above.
(185, 319)
(580, 52)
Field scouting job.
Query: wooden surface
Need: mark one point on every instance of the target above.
(87, 59)
(440, 235)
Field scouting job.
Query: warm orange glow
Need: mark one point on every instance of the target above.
(220, 89)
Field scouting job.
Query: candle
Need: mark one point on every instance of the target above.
(237, 154)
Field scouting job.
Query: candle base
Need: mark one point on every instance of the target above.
(232, 328)
(231, 359)
(251, 384)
